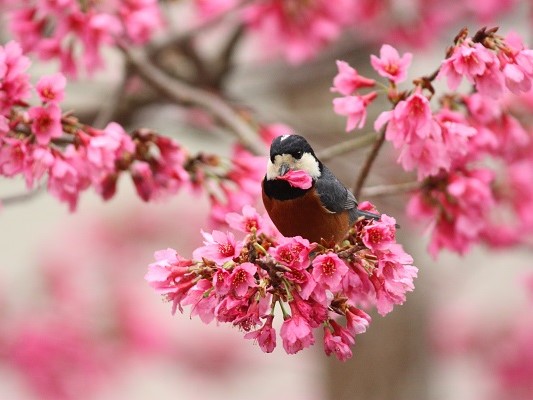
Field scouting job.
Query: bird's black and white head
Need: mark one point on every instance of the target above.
(292, 152)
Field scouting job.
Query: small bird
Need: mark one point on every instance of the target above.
(319, 208)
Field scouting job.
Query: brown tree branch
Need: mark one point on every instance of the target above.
(112, 104)
(392, 189)
(21, 197)
(183, 93)
(368, 163)
(179, 38)
(226, 55)
(338, 149)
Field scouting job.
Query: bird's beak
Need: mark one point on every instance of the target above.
(283, 169)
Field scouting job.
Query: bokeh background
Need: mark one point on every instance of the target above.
(79, 322)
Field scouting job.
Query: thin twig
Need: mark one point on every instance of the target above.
(387, 190)
(181, 92)
(368, 163)
(226, 55)
(22, 197)
(180, 37)
(338, 149)
(111, 105)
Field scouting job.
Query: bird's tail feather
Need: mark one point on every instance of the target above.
(368, 215)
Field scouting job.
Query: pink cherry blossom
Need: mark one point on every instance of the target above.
(293, 252)
(242, 278)
(390, 65)
(222, 281)
(298, 30)
(46, 124)
(15, 156)
(456, 134)
(328, 270)
(170, 276)
(212, 8)
(457, 208)
(72, 29)
(265, 336)
(477, 64)
(314, 311)
(38, 164)
(219, 247)
(143, 178)
(393, 279)
(357, 320)
(240, 186)
(335, 345)
(427, 156)
(380, 234)
(298, 179)
(202, 299)
(106, 147)
(166, 270)
(482, 108)
(348, 80)
(516, 64)
(318, 285)
(296, 334)
(353, 107)
(66, 179)
(411, 127)
(141, 19)
(409, 121)
(15, 86)
(248, 222)
(51, 88)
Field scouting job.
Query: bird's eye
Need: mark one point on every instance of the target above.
(297, 155)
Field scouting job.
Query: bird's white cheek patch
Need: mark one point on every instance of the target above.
(272, 171)
(309, 164)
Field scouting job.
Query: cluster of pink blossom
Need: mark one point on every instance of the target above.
(446, 145)
(242, 281)
(47, 27)
(299, 29)
(41, 141)
(351, 104)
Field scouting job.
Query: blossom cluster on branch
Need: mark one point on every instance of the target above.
(300, 30)
(66, 29)
(74, 32)
(42, 142)
(454, 140)
(243, 281)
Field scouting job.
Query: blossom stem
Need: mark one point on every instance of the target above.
(181, 92)
(369, 162)
(257, 246)
(287, 290)
(338, 149)
(283, 310)
(386, 190)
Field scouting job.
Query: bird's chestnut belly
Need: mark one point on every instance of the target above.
(305, 216)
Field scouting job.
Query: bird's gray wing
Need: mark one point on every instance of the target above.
(335, 197)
